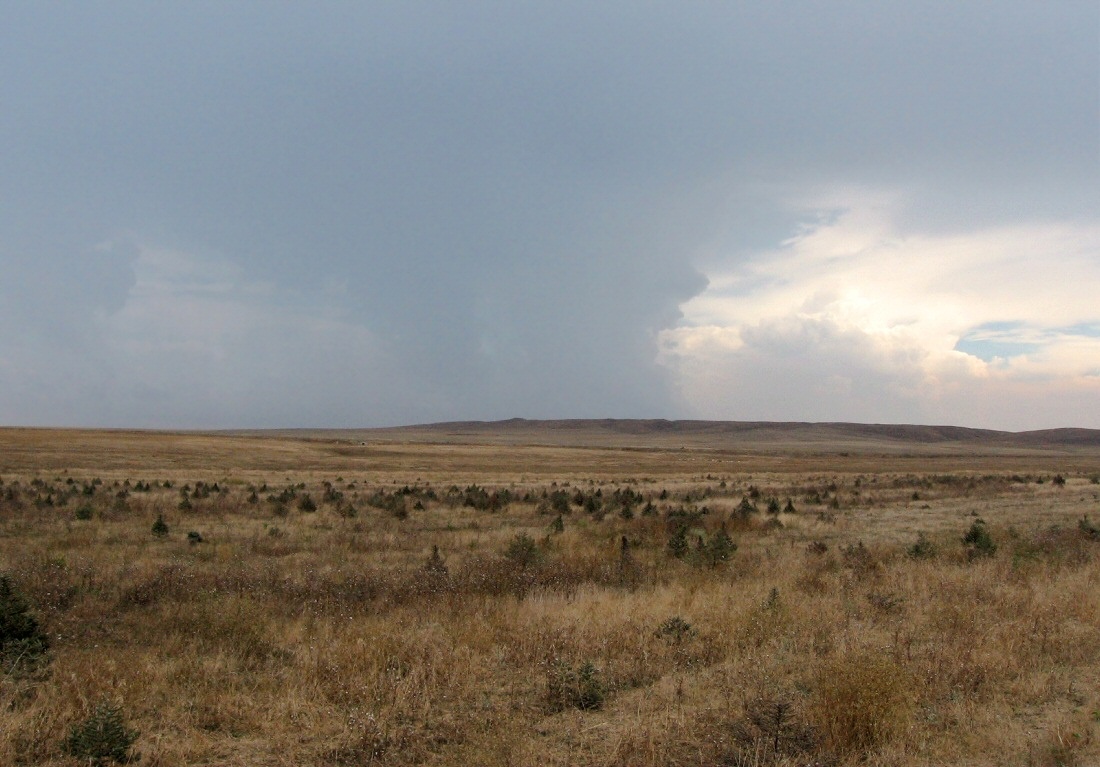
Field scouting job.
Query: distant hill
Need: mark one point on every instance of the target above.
(748, 435)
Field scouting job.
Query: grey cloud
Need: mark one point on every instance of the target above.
(515, 199)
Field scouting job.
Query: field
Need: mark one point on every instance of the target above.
(523, 595)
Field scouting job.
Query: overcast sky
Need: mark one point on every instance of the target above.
(234, 214)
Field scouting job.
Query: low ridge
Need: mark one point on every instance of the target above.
(662, 432)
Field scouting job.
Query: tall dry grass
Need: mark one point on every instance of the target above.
(331, 637)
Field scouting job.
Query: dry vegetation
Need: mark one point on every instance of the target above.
(331, 603)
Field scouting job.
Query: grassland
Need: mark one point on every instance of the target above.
(406, 598)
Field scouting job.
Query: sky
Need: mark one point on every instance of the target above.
(229, 214)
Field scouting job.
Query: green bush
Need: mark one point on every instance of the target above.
(678, 543)
(160, 527)
(675, 630)
(102, 737)
(348, 510)
(771, 730)
(718, 549)
(435, 564)
(523, 551)
(23, 644)
(579, 688)
(923, 548)
(979, 543)
(559, 502)
(745, 509)
(1089, 530)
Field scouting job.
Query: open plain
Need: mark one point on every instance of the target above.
(554, 593)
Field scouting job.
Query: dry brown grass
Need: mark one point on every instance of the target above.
(290, 637)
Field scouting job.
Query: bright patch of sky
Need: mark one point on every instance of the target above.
(229, 214)
(857, 313)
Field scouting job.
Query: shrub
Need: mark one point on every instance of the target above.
(675, 629)
(435, 564)
(102, 737)
(859, 558)
(923, 548)
(718, 549)
(1089, 530)
(559, 502)
(23, 644)
(194, 536)
(745, 509)
(306, 504)
(523, 550)
(979, 543)
(84, 512)
(771, 728)
(579, 688)
(393, 503)
(589, 692)
(771, 603)
(592, 504)
(480, 499)
(160, 527)
(678, 543)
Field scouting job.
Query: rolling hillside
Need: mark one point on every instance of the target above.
(735, 435)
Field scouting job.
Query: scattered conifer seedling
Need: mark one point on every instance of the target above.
(102, 738)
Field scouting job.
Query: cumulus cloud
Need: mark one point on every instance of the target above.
(857, 315)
